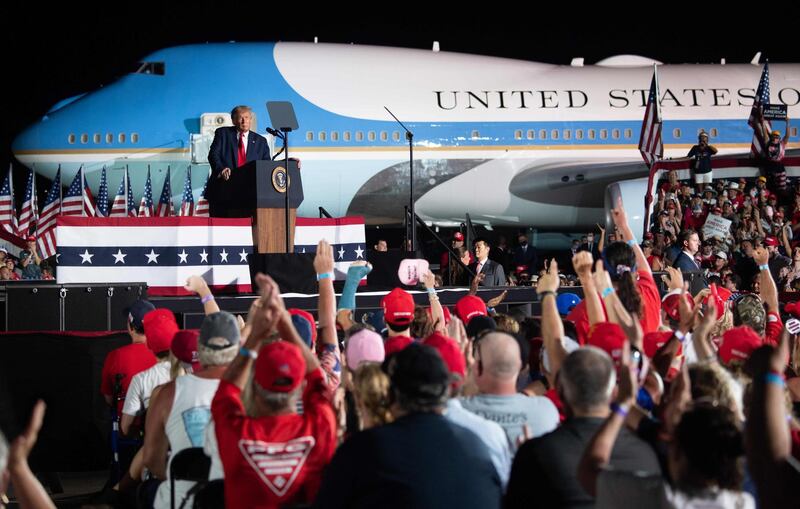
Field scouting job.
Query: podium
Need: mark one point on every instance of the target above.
(261, 188)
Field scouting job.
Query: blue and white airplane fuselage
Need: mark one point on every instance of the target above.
(507, 141)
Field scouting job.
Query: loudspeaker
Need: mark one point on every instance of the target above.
(33, 307)
(294, 272)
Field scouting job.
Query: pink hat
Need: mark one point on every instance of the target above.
(364, 346)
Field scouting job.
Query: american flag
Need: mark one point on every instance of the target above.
(187, 202)
(650, 143)
(165, 201)
(30, 208)
(46, 230)
(8, 213)
(79, 200)
(102, 196)
(146, 205)
(201, 209)
(118, 207)
(761, 99)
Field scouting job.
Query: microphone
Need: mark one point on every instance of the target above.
(273, 132)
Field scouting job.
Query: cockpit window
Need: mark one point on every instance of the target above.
(149, 68)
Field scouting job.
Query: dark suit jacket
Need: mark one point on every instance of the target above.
(526, 257)
(224, 154)
(494, 275)
(686, 264)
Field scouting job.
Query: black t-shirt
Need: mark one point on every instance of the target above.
(421, 460)
(544, 470)
(702, 163)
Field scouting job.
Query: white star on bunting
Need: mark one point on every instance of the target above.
(341, 253)
(119, 257)
(359, 252)
(86, 257)
(152, 257)
(224, 256)
(204, 257)
(243, 256)
(182, 255)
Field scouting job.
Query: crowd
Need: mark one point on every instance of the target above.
(629, 397)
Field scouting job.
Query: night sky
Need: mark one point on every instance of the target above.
(53, 53)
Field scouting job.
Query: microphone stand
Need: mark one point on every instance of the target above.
(413, 219)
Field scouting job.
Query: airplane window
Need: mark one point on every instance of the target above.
(156, 68)
(793, 131)
(334, 135)
(309, 136)
(579, 134)
(109, 138)
(322, 136)
(84, 138)
(121, 137)
(384, 136)
(615, 134)
(371, 135)
(676, 133)
(531, 134)
(135, 138)
(518, 134)
(543, 134)
(359, 136)
(396, 135)
(714, 133)
(96, 138)
(567, 134)
(603, 134)
(591, 134)
(475, 135)
(628, 134)
(554, 134)
(347, 136)
(71, 138)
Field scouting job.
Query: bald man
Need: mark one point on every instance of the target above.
(497, 366)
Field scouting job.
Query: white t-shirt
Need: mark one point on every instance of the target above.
(513, 412)
(631, 489)
(141, 388)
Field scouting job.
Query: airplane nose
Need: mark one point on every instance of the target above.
(27, 140)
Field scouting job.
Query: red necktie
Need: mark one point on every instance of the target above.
(242, 155)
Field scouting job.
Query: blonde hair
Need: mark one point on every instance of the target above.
(506, 324)
(176, 368)
(371, 391)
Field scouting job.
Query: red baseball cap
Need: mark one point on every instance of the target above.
(280, 367)
(458, 236)
(470, 306)
(395, 344)
(451, 354)
(308, 316)
(608, 337)
(159, 328)
(184, 347)
(771, 241)
(671, 302)
(738, 343)
(398, 307)
(652, 341)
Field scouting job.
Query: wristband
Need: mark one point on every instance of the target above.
(631, 242)
(608, 291)
(619, 410)
(324, 275)
(490, 310)
(431, 291)
(774, 378)
(545, 293)
(207, 298)
(763, 267)
(680, 335)
(246, 352)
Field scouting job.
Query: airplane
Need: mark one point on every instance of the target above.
(510, 142)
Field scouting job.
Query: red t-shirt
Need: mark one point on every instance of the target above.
(278, 460)
(651, 308)
(773, 329)
(126, 360)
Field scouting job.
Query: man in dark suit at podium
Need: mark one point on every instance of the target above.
(232, 147)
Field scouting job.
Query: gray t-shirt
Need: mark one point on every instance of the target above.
(514, 411)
